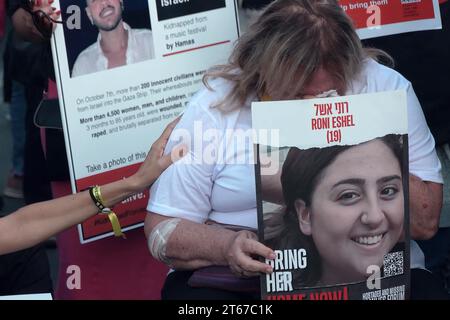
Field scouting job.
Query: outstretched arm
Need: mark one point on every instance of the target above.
(37, 222)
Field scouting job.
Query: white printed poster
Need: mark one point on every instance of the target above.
(332, 181)
(124, 70)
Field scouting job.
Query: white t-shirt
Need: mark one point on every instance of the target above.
(92, 59)
(225, 193)
(201, 186)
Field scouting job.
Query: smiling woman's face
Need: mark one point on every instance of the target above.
(356, 213)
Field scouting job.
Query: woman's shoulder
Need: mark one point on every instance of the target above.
(376, 77)
(214, 92)
(203, 106)
(210, 96)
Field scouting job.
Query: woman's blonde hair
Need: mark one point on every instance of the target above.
(289, 42)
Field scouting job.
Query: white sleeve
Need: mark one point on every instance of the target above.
(79, 66)
(423, 160)
(149, 45)
(76, 69)
(184, 189)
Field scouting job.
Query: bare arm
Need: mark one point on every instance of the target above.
(36, 223)
(425, 207)
(193, 245)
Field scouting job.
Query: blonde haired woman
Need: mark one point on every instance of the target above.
(295, 50)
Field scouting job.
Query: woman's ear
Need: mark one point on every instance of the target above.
(304, 216)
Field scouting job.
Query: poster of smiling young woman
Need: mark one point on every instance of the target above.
(376, 18)
(124, 70)
(332, 199)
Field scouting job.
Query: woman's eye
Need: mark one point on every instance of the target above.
(348, 196)
(389, 191)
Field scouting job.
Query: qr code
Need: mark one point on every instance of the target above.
(393, 264)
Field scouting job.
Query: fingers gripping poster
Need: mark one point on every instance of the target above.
(124, 70)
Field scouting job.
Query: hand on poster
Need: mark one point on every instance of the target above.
(155, 162)
(39, 221)
(240, 252)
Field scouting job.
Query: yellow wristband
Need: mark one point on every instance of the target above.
(114, 222)
(94, 193)
(98, 194)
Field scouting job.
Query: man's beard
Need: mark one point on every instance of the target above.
(109, 27)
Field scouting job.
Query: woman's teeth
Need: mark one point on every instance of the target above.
(368, 240)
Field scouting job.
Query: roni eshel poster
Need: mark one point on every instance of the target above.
(125, 69)
(332, 190)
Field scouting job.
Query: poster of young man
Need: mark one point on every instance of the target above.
(376, 18)
(124, 70)
(339, 229)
